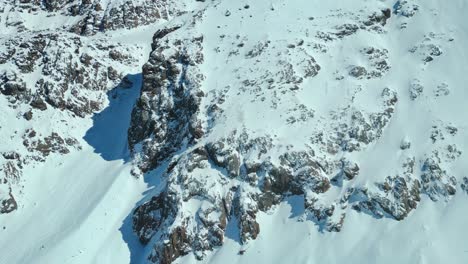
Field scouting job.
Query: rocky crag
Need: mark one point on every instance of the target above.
(351, 109)
(59, 71)
(219, 107)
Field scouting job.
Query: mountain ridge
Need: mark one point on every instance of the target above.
(245, 110)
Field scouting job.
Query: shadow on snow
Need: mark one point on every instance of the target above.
(108, 135)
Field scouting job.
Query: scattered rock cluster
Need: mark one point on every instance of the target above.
(164, 119)
(100, 16)
(213, 182)
(70, 78)
(52, 72)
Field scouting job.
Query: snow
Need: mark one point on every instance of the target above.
(77, 208)
(107, 134)
(72, 213)
(433, 234)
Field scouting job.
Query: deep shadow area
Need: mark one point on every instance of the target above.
(232, 230)
(137, 250)
(297, 205)
(108, 135)
(109, 138)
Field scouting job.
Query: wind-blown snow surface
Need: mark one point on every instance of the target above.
(405, 73)
(73, 212)
(75, 208)
(432, 234)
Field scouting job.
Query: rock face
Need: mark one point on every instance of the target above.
(71, 79)
(8, 205)
(52, 73)
(238, 187)
(166, 111)
(239, 113)
(10, 175)
(398, 198)
(99, 15)
(222, 165)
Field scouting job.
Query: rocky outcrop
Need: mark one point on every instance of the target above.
(96, 16)
(50, 144)
(398, 197)
(374, 22)
(405, 8)
(464, 185)
(436, 182)
(236, 123)
(10, 176)
(218, 177)
(68, 79)
(164, 119)
(100, 17)
(50, 75)
(213, 180)
(49, 5)
(236, 190)
(8, 205)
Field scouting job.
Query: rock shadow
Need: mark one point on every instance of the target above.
(108, 135)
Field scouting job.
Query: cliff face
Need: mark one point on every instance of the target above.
(53, 72)
(93, 16)
(348, 109)
(242, 110)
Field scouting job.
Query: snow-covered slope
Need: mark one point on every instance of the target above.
(233, 132)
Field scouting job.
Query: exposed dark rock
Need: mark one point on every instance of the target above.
(11, 155)
(378, 60)
(125, 15)
(416, 89)
(53, 143)
(148, 217)
(405, 144)
(8, 205)
(226, 158)
(358, 72)
(65, 83)
(168, 104)
(267, 200)
(28, 115)
(346, 30)
(177, 245)
(399, 199)
(38, 103)
(442, 90)
(377, 18)
(464, 185)
(11, 171)
(350, 169)
(436, 182)
(404, 8)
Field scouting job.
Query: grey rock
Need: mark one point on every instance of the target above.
(28, 115)
(358, 72)
(415, 89)
(8, 205)
(405, 144)
(436, 182)
(464, 185)
(399, 198)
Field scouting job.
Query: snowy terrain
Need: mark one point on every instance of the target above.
(299, 131)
